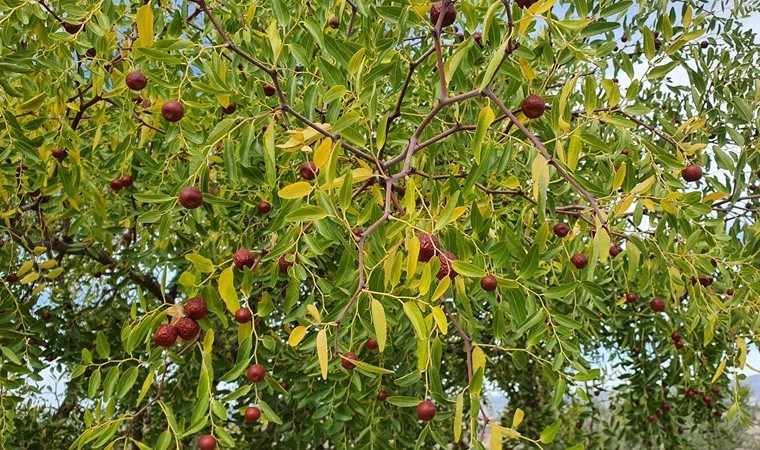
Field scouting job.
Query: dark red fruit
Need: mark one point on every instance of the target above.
(525, 3)
(59, 153)
(309, 170)
(651, 418)
(704, 280)
(334, 23)
(624, 151)
(230, 108)
(91, 53)
(704, 44)
(11, 278)
(72, 28)
(252, 414)
(372, 344)
(284, 385)
(691, 173)
(172, 110)
(190, 197)
(264, 207)
(681, 430)
(631, 298)
(657, 305)
(382, 396)
(561, 230)
(665, 407)
(256, 373)
(636, 350)
(126, 181)
(730, 292)
(243, 258)
(136, 81)
(207, 442)
(243, 315)
(196, 308)
(624, 38)
(426, 411)
(615, 250)
(46, 316)
(533, 106)
(449, 15)
(284, 264)
(346, 359)
(478, 38)
(269, 90)
(446, 269)
(429, 246)
(579, 260)
(707, 399)
(578, 425)
(679, 345)
(488, 283)
(166, 335)
(187, 328)
(116, 184)
(676, 336)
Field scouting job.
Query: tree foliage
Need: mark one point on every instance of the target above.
(351, 172)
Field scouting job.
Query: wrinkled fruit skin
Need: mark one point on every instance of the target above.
(173, 111)
(243, 258)
(334, 23)
(488, 283)
(190, 197)
(196, 308)
(230, 108)
(345, 361)
(426, 411)
(382, 396)
(533, 106)
(264, 207)
(561, 230)
(256, 373)
(446, 269)
(207, 442)
(615, 250)
(166, 335)
(136, 81)
(243, 315)
(309, 171)
(691, 173)
(429, 246)
(372, 344)
(284, 264)
(657, 305)
(187, 328)
(269, 90)
(449, 16)
(59, 153)
(579, 261)
(252, 414)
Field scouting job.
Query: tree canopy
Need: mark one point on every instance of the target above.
(304, 224)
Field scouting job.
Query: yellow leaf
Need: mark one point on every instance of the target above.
(440, 319)
(322, 351)
(208, 342)
(623, 206)
(227, 290)
(297, 335)
(413, 247)
(619, 177)
(296, 190)
(444, 284)
(322, 153)
(378, 319)
(527, 70)
(713, 196)
(144, 26)
(741, 344)
(31, 278)
(25, 268)
(511, 182)
(478, 359)
(644, 186)
(719, 372)
(649, 204)
(458, 416)
(518, 418)
(314, 312)
(669, 206)
(496, 437)
(49, 264)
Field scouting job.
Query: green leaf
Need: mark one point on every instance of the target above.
(485, 119)
(404, 402)
(468, 270)
(268, 413)
(306, 214)
(550, 432)
(414, 314)
(102, 346)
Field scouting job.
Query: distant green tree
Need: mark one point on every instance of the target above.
(337, 212)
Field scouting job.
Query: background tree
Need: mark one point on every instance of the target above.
(292, 223)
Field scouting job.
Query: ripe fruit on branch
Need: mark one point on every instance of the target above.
(252, 414)
(665, 406)
(372, 344)
(187, 328)
(190, 197)
(309, 170)
(382, 396)
(525, 3)
(346, 359)
(488, 283)
(624, 38)
(116, 184)
(243, 258)
(561, 230)
(533, 106)
(136, 81)
(704, 44)
(256, 373)
(166, 335)
(429, 246)
(446, 269)
(11, 278)
(126, 181)
(269, 90)
(59, 153)
(705, 280)
(230, 108)
(207, 442)
(730, 292)
(657, 305)
(579, 260)
(691, 173)
(264, 207)
(426, 411)
(449, 14)
(72, 28)
(679, 345)
(172, 110)
(478, 38)
(676, 336)
(243, 315)
(651, 418)
(334, 23)
(283, 263)
(196, 308)
(615, 250)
